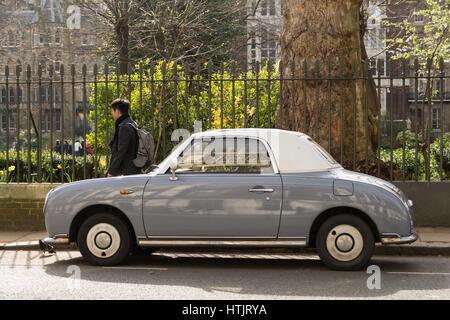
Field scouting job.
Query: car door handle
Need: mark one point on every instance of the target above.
(260, 190)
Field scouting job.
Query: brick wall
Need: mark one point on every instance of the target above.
(21, 206)
(21, 214)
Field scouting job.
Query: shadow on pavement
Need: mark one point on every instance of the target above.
(256, 275)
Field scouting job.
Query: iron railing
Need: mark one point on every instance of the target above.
(39, 107)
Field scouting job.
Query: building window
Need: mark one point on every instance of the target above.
(380, 67)
(253, 47)
(272, 7)
(11, 122)
(11, 95)
(268, 46)
(56, 96)
(264, 45)
(264, 7)
(418, 18)
(46, 122)
(436, 119)
(58, 62)
(437, 88)
(43, 94)
(58, 121)
(373, 67)
(41, 38)
(268, 8)
(3, 96)
(43, 66)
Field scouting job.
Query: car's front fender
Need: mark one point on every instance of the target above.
(65, 202)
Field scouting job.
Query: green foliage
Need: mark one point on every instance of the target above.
(432, 44)
(409, 138)
(175, 102)
(442, 145)
(50, 164)
(413, 158)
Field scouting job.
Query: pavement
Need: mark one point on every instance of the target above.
(432, 241)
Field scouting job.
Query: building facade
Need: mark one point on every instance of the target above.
(264, 23)
(38, 34)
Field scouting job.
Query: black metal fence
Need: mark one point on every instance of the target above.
(43, 106)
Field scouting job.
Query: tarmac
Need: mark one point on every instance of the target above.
(432, 241)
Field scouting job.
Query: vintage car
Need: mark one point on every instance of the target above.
(234, 187)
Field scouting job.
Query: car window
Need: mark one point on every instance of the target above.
(323, 152)
(225, 154)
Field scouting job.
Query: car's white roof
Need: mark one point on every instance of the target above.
(293, 151)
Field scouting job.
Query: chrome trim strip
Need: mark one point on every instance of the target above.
(390, 238)
(211, 238)
(223, 243)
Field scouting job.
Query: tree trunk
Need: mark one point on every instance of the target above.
(323, 33)
(122, 33)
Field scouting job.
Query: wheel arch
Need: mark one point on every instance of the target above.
(89, 211)
(322, 217)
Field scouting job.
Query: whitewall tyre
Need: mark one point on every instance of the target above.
(345, 242)
(104, 239)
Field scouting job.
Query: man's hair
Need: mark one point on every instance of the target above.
(121, 104)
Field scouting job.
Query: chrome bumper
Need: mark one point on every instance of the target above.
(397, 239)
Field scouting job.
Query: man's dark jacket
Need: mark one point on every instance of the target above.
(123, 148)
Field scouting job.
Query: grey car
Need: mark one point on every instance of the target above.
(234, 187)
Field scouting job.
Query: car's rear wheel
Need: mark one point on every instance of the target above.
(345, 242)
(104, 239)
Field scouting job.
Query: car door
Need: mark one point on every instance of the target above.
(226, 188)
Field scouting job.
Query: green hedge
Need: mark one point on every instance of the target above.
(412, 156)
(48, 167)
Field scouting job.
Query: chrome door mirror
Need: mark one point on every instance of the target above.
(173, 168)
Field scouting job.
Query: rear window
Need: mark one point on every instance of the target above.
(323, 152)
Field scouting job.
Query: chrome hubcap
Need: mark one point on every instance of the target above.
(344, 242)
(103, 240)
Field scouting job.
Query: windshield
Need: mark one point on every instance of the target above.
(164, 163)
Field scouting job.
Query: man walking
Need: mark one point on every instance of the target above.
(124, 143)
(77, 148)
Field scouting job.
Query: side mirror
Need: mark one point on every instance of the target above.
(173, 168)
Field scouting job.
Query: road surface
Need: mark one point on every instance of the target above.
(226, 275)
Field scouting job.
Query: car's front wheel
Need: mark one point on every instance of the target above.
(104, 239)
(345, 242)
